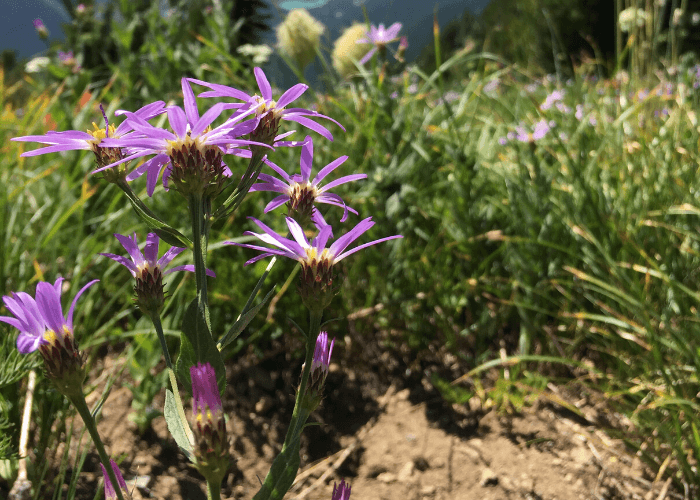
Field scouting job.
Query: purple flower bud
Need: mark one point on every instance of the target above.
(341, 491)
(110, 493)
(41, 28)
(211, 442)
(322, 356)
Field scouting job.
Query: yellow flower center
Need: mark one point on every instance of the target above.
(100, 133)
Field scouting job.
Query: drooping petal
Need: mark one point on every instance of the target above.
(69, 318)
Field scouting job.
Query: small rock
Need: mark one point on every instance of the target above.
(263, 405)
(406, 472)
(421, 463)
(488, 478)
(386, 477)
(428, 491)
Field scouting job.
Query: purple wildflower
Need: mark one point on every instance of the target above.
(502, 141)
(379, 37)
(66, 58)
(552, 98)
(522, 134)
(192, 155)
(148, 269)
(110, 493)
(92, 140)
(316, 260)
(541, 129)
(341, 491)
(211, 442)
(41, 321)
(301, 193)
(269, 112)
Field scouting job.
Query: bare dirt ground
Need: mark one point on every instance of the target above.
(390, 437)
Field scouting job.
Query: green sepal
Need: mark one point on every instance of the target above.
(175, 424)
(282, 473)
(198, 346)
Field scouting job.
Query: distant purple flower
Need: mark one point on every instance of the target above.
(552, 98)
(579, 112)
(563, 108)
(110, 493)
(80, 9)
(502, 141)
(299, 191)
(66, 57)
(184, 151)
(41, 321)
(492, 86)
(149, 270)
(268, 111)
(379, 37)
(322, 355)
(541, 129)
(341, 491)
(41, 28)
(522, 134)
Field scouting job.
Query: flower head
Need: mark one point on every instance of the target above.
(317, 261)
(148, 269)
(41, 28)
(319, 372)
(348, 48)
(93, 140)
(211, 443)
(110, 493)
(299, 191)
(268, 112)
(299, 36)
(341, 491)
(379, 37)
(43, 326)
(191, 153)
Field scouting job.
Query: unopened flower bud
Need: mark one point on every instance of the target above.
(319, 371)
(341, 491)
(41, 29)
(211, 442)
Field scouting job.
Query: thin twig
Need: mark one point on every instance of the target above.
(22, 487)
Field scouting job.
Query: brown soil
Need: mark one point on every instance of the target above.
(391, 438)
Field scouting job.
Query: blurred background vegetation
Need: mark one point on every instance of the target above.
(540, 160)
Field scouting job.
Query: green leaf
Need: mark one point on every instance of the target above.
(243, 320)
(175, 424)
(282, 473)
(166, 233)
(198, 346)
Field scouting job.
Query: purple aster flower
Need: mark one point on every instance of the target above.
(66, 58)
(43, 326)
(552, 98)
(41, 321)
(211, 442)
(92, 140)
(379, 37)
(299, 192)
(522, 134)
(110, 493)
(192, 153)
(341, 491)
(316, 260)
(268, 112)
(148, 269)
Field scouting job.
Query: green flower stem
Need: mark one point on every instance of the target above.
(299, 416)
(213, 491)
(249, 177)
(89, 421)
(155, 317)
(199, 207)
